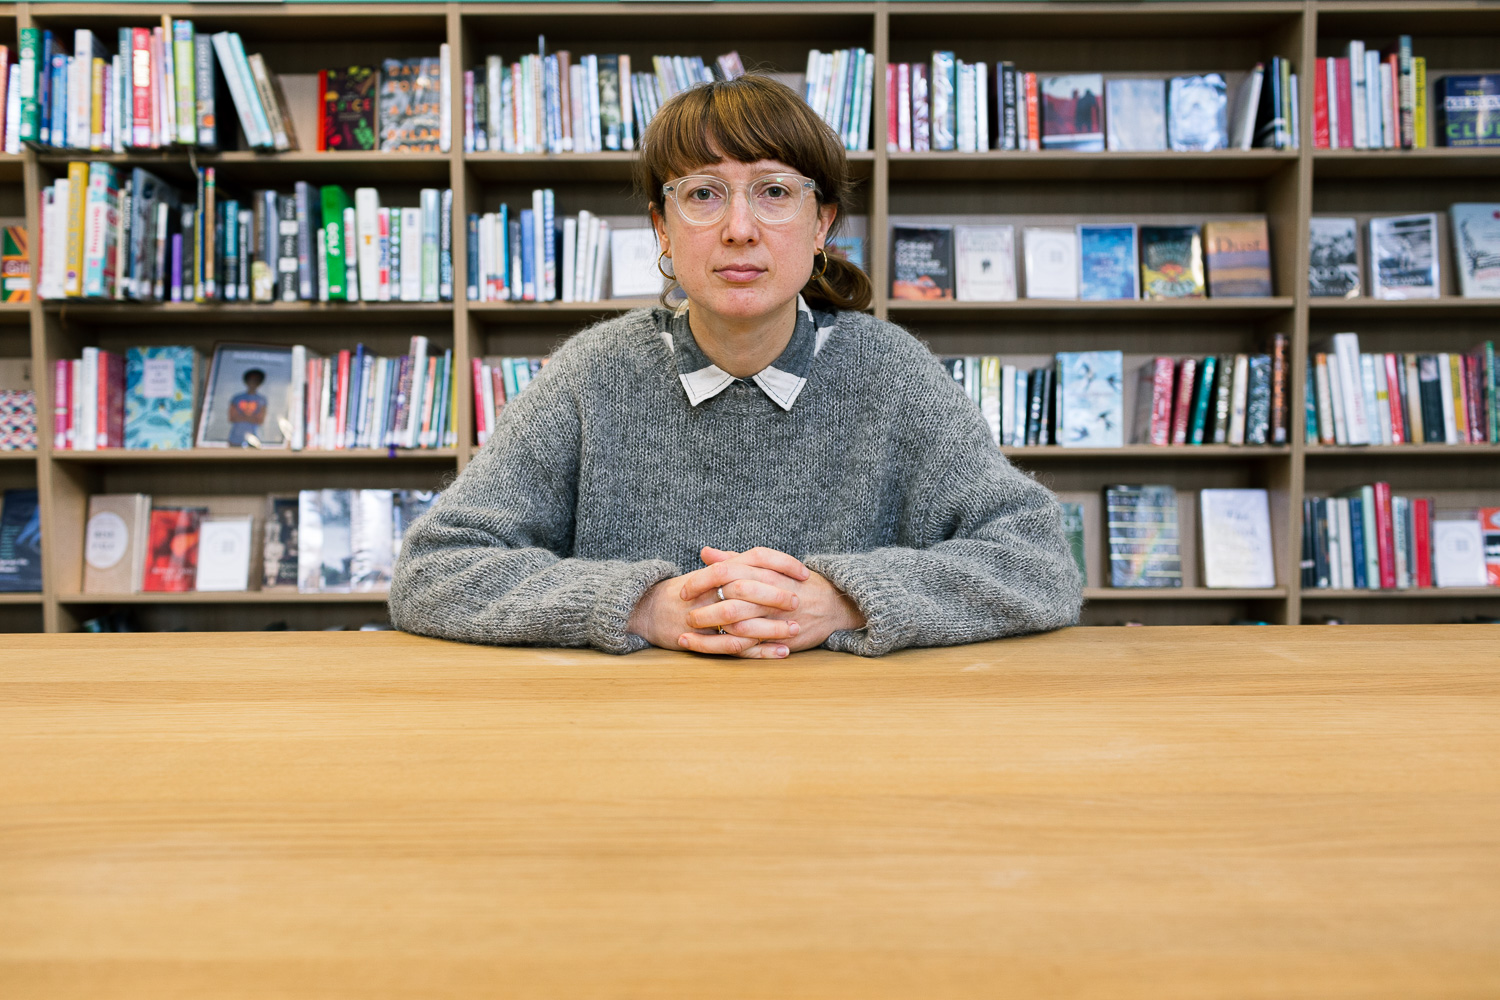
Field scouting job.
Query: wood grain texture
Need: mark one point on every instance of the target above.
(1160, 813)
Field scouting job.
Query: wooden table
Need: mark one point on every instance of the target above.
(1189, 812)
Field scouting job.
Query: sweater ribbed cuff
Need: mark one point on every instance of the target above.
(609, 619)
(879, 599)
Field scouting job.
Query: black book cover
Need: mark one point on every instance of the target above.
(1309, 564)
(286, 263)
(20, 542)
(1320, 552)
(1270, 125)
(1432, 399)
(1006, 102)
(1034, 406)
(1049, 407)
(922, 262)
(1142, 529)
(1258, 401)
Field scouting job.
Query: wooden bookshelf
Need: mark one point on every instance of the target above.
(1156, 37)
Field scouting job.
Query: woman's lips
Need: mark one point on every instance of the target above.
(740, 272)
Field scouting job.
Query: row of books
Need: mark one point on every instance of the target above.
(1362, 100)
(1090, 261)
(20, 542)
(1402, 254)
(1141, 524)
(17, 406)
(330, 541)
(1355, 398)
(496, 382)
(534, 256)
(256, 396)
(840, 86)
(1366, 538)
(107, 235)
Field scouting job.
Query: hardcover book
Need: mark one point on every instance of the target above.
(1171, 262)
(1333, 261)
(172, 550)
(372, 535)
(1154, 402)
(1091, 401)
(1476, 249)
(1051, 262)
(1236, 544)
(1458, 553)
(985, 263)
(310, 541)
(1073, 112)
(1403, 257)
(1489, 531)
(161, 384)
(17, 406)
(1136, 115)
(20, 542)
(922, 262)
(114, 543)
(1197, 113)
(1143, 543)
(279, 554)
(1238, 258)
(1107, 262)
(336, 513)
(224, 554)
(248, 401)
(1471, 110)
(410, 105)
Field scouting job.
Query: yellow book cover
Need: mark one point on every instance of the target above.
(78, 189)
(1460, 397)
(1419, 118)
(96, 106)
(1171, 262)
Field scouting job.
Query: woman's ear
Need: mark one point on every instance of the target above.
(659, 223)
(826, 215)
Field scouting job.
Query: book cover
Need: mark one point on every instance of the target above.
(15, 265)
(18, 420)
(985, 263)
(1107, 262)
(172, 550)
(161, 385)
(336, 553)
(1403, 257)
(1072, 518)
(922, 262)
(1154, 403)
(372, 534)
(224, 554)
(1458, 558)
(632, 263)
(410, 105)
(1476, 249)
(1471, 110)
(1142, 530)
(1135, 112)
(20, 542)
(1091, 403)
(1238, 258)
(1333, 261)
(1171, 262)
(1072, 110)
(279, 552)
(1236, 539)
(248, 400)
(1489, 530)
(310, 541)
(1258, 400)
(1051, 254)
(1197, 113)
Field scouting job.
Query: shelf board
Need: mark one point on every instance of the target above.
(1179, 594)
(1427, 593)
(15, 313)
(188, 314)
(1150, 452)
(532, 312)
(34, 598)
(1067, 309)
(344, 168)
(12, 166)
(120, 456)
(1067, 165)
(227, 597)
(1449, 306)
(1401, 450)
(19, 456)
(604, 166)
(1440, 161)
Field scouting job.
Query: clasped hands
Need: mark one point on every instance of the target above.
(773, 606)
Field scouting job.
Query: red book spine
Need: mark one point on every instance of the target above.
(61, 405)
(481, 416)
(1421, 518)
(892, 127)
(1394, 62)
(322, 111)
(498, 375)
(1346, 103)
(1489, 528)
(341, 406)
(141, 71)
(1161, 401)
(114, 398)
(1385, 536)
(1472, 368)
(1033, 113)
(1278, 389)
(1320, 105)
(1393, 392)
(1184, 400)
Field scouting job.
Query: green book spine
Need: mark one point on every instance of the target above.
(185, 62)
(335, 200)
(1222, 401)
(1310, 404)
(1200, 399)
(31, 57)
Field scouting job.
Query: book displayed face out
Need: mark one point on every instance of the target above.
(249, 393)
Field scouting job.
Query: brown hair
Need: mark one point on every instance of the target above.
(748, 119)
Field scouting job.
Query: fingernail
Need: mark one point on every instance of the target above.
(793, 628)
(682, 641)
(796, 600)
(779, 651)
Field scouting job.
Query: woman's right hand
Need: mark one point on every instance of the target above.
(662, 615)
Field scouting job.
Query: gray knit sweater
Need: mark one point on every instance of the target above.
(601, 479)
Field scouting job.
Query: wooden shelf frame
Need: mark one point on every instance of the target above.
(1157, 35)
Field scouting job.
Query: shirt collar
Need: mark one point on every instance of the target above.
(782, 380)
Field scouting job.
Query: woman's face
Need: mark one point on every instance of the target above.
(739, 268)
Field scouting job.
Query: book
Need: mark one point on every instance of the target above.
(1197, 113)
(632, 263)
(1141, 523)
(1072, 518)
(18, 417)
(1458, 553)
(1471, 110)
(346, 109)
(372, 534)
(1403, 257)
(410, 105)
(114, 543)
(1091, 399)
(1237, 257)
(310, 541)
(1072, 110)
(279, 551)
(336, 553)
(161, 386)
(1333, 262)
(172, 550)
(248, 401)
(1476, 248)
(20, 542)
(15, 265)
(1051, 254)
(1136, 115)
(1489, 532)
(1236, 543)
(985, 263)
(1154, 402)
(1107, 262)
(922, 262)
(224, 554)
(1171, 262)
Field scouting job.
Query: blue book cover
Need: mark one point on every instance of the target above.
(20, 542)
(60, 99)
(1091, 399)
(528, 256)
(1471, 110)
(471, 248)
(1356, 543)
(160, 387)
(1107, 262)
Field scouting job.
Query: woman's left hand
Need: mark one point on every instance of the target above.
(822, 608)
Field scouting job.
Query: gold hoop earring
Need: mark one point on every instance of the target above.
(824, 254)
(661, 270)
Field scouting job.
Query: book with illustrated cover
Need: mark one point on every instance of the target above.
(1073, 112)
(985, 263)
(1136, 113)
(922, 262)
(1476, 249)
(1238, 258)
(15, 265)
(410, 105)
(114, 543)
(1107, 262)
(1403, 257)
(310, 541)
(1171, 262)
(1236, 544)
(1072, 518)
(336, 516)
(20, 542)
(172, 550)
(224, 553)
(346, 109)
(1471, 110)
(372, 538)
(161, 384)
(279, 552)
(1333, 258)
(1051, 261)
(1091, 399)
(17, 406)
(1142, 530)
(1197, 113)
(247, 403)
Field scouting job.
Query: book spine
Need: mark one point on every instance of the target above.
(431, 239)
(1182, 414)
(61, 380)
(445, 247)
(921, 126)
(28, 82)
(473, 249)
(1345, 103)
(1391, 364)
(1419, 102)
(1385, 536)
(185, 64)
(1422, 541)
(1407, 94)
(1161, 401)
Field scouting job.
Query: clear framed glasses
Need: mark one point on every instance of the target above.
(703, 199)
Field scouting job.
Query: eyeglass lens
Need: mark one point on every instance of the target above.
(772, 199)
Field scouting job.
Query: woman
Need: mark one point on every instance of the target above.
(763, 469)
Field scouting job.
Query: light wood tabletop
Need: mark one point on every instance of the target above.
(1163, 813)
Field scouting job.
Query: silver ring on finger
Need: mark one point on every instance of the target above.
(721, 593)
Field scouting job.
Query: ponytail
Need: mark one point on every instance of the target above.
(842, 285)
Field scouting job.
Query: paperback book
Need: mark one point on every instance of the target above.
(20, 542)
(1051, 262)
(114, 544)
(1143, 542)
(1091, 399)
(346, 109)
(1236, 539)
(172, 550)
(985, 263)
(161, 385)
(410, 105)
(1471, 110)
(922, 262)
(1238, 258)
(1107, 262)
(1333, 258)
(1403, 257)
(1073, 112)
(1172, 262)
(1197, 113)
(1072, 517)
(248, 399)
(1476, 249)
(1136, 114)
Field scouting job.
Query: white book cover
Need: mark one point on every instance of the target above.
(1136, 115)
(371, 532)
(569, 258)
(445, 99)
(224, 553)
(1372, 408)
(1351, 388)
(1445, 389)
(1237, 544)
(1356, 55)
(1403, 257)
(88, 391)
(418, 352)
(1476, 248)
(985, 263)
(1458, 553)
(411, 255)
(601, 260)
(309, 541)
(632, 263)
(1247, 103)
(367, 222)
(1239, 388)
(583, 269)
(1051, 262)
(1346, 543)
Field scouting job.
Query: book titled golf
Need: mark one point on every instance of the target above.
(1107, 262)
(1136, 113)
(1236, 544)
(1333, 258)
(1073, 112)
(1091, 399)
(923, 262)
(1171, 262)
(1142, 529)
(1403, 257)
(1051, 262)
(1238, 258)
(985, 263)
(1476, 249)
